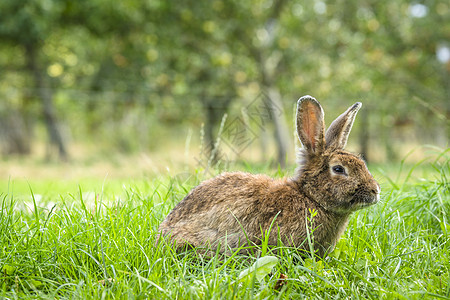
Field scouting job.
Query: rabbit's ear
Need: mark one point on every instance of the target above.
(310, 124)
(337, 134)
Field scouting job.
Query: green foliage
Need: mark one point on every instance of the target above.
(28, 22)
(172, 61)
(260, 269)
(103, 244)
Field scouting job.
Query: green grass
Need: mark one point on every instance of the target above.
(97, 240)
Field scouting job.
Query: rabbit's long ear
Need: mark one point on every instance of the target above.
(310, 124)
(337, 134)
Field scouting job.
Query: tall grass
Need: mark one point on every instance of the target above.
(103, 246)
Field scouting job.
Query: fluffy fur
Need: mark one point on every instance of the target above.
(235, 209)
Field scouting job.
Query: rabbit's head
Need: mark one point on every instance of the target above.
(337, 180)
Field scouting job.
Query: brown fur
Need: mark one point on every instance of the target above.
(237, 208)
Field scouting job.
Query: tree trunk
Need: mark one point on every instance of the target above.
(14, 133)
(214, 109)
(268, 75)
(281, 131)
(388, 141)
(46, 97)
(364, 133)
(211, 122)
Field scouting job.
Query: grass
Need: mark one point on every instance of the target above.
(97, 240)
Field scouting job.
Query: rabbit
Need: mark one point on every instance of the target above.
(235, 209)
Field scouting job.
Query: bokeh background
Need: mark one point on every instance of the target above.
(144, 86)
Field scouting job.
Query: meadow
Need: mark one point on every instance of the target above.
(95, 239)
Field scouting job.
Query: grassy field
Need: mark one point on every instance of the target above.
(95, 239)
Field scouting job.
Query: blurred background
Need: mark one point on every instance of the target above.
(132, 86)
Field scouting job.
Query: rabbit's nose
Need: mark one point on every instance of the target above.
(375, 189)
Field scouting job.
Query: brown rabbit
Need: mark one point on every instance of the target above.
(235, 209)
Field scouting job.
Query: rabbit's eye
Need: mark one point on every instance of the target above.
(338, 169)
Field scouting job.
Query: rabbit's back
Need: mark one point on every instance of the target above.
(238, 206)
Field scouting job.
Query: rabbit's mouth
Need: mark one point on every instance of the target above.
(357, 202)
(364, 197)
(361, 201)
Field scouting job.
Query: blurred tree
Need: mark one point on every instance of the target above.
(383, 52)
(120, 69)
(28, 24)
(266, 55)
(216, 50)
(193, 47)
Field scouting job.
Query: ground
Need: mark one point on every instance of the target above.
(93, 236)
